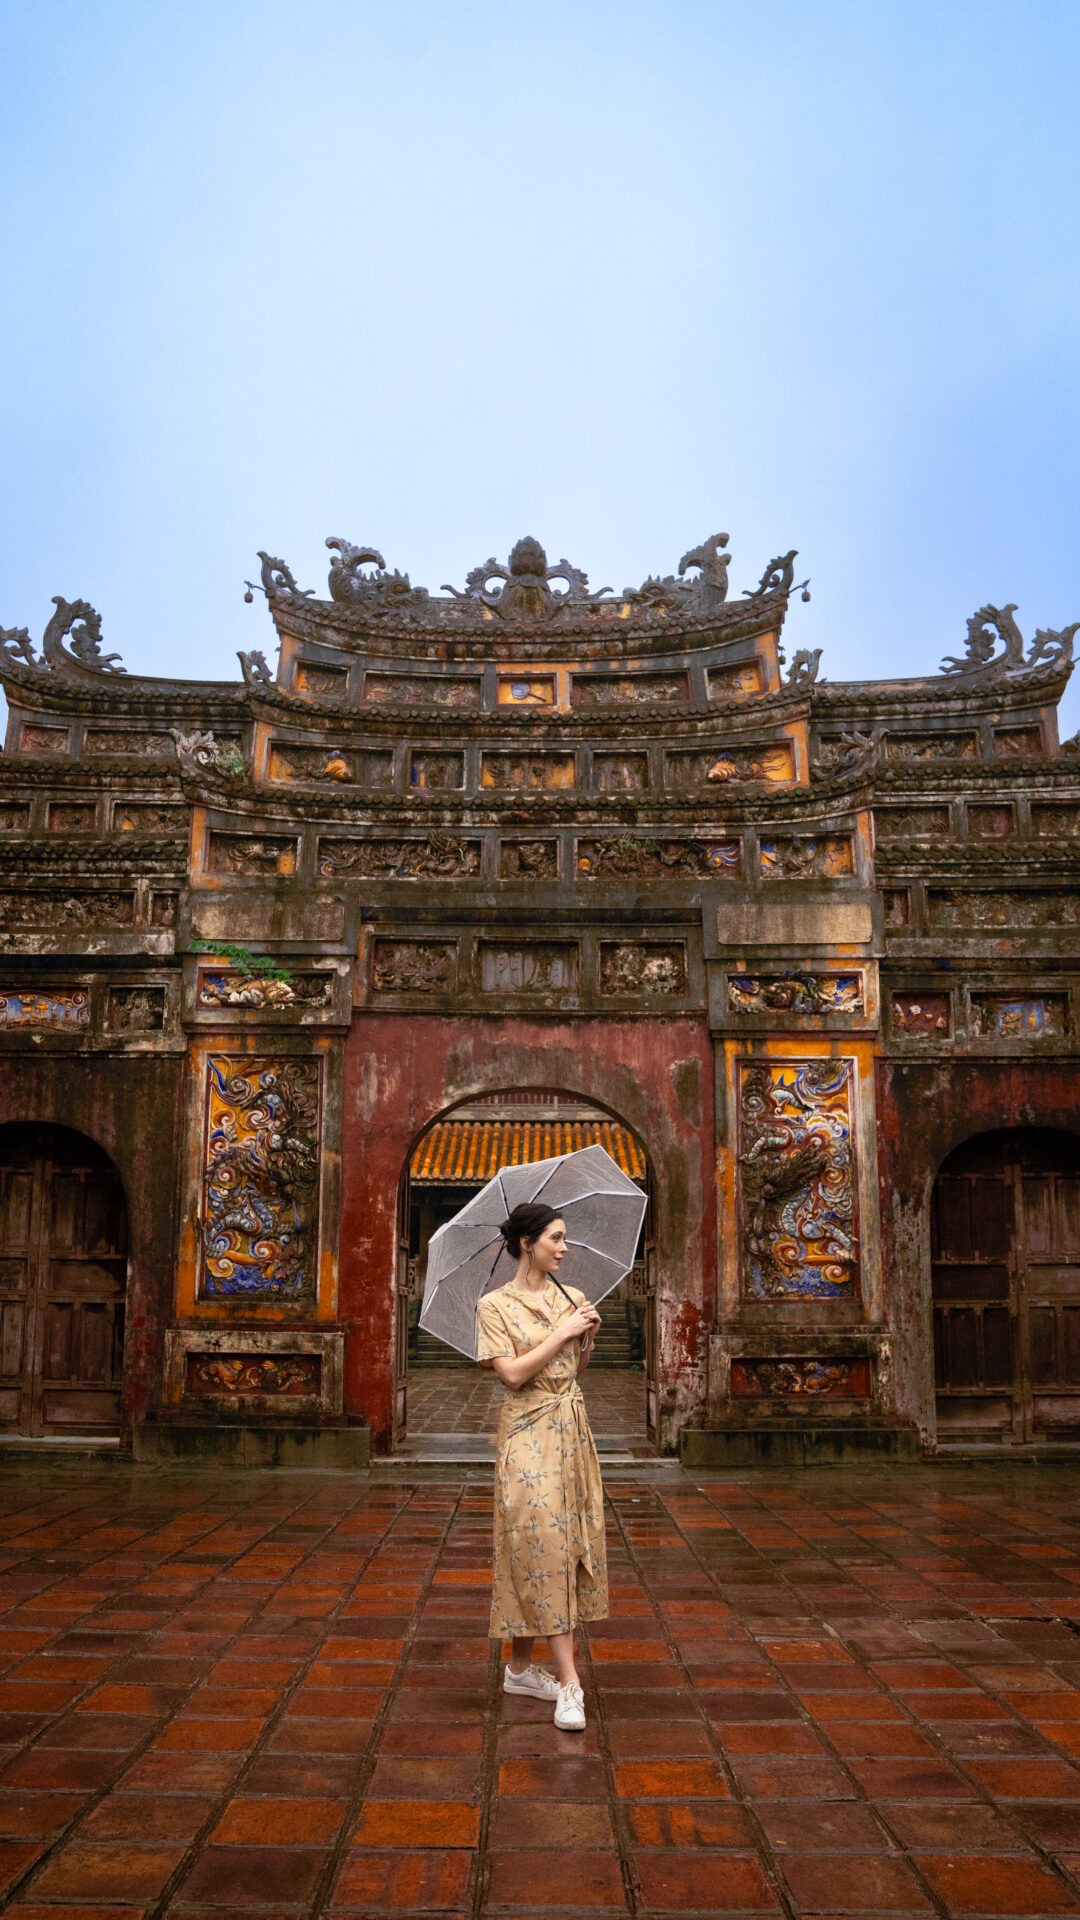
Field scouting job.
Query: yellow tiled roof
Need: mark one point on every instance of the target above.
(474, 1150)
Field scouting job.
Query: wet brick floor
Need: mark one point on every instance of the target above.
(831, 1693)
(467, 1400)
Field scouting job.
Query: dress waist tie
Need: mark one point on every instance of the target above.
(575, 1441)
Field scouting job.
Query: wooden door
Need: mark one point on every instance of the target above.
(63, 1277)
(1005, 1272)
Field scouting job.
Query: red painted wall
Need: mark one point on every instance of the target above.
(403, 1070)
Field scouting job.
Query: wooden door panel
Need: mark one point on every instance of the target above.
(63, 1276)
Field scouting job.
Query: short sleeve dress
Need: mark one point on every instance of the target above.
(549, 1564)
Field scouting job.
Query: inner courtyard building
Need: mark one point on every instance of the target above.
(290, 963)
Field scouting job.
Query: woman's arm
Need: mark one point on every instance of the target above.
(518, 1373)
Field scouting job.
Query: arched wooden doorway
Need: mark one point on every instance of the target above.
(1005, 1279)
(63, 1278)
(456, 1154)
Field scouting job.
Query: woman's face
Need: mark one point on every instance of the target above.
(549, 1247)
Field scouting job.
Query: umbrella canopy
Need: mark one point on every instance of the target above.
(603, 1210)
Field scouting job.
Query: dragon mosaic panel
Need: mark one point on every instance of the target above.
(260, 1179)
(798, 1215)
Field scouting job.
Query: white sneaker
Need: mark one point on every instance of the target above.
(570, 1709)
(535, 1681)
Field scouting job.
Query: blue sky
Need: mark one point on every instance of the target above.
(434, 275)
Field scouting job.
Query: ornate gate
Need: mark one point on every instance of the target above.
(63, 1275)
(1005, 1252)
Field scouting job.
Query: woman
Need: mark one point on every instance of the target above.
(550, 1567)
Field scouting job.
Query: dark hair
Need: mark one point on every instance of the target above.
(526, 1224)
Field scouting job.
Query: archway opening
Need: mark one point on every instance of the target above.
(441, 1396)
(63, 1282)
(1005, 1284)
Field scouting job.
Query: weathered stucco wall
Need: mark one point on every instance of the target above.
(131, 1108)
(925, 1110)
(403, 1070)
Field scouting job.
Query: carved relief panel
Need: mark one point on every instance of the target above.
(413, 966)
(14, 816)
(642, 968)
(321, 683)
(37, 739)
(135, 1010)
(329, 766)
(423, 690)
(620, 772)
(1054, 821)
(70, 816)
(829, 856)
(798, 1217)
(436, 856)
(259, 855)
(130, 743)
(796, 992)
(436, 772)
(932, 746)
(148, 817)
(1018, 743)
(637, 856)
(1009, 1016)
(772, 765)
(50, 1007)
(529, 859)
(527, 690)
(802, 1379)
(260, 1179)
(990, 822)
(1027, 908)
(740, 682)
(609, 690)
(921, 1016)
(527, 772)
(910, 823)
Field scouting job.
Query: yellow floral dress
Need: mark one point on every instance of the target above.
(549, 1565)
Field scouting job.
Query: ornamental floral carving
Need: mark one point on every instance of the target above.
(321, 683)
(795, 992)
(796, 1177)
(527, 772)
(910, 823)
(260, 1179)
(932, 746)
(643, 967)
(330, 766)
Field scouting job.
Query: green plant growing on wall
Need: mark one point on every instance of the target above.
(251, 965)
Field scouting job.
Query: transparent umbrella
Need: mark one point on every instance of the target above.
(603, 1210)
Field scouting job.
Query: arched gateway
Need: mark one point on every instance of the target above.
(455, 1156)
(800, 937)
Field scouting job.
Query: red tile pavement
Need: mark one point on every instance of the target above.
(833, 1694)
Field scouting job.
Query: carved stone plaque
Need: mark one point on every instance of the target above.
(637, 856)
(527, 772)
(71, 816)
(321, 683)
(620, 772)
(438, 856)
(531, 967)
(596, 690)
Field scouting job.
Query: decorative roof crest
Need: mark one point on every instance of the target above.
(85, 660)
(989, 626)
